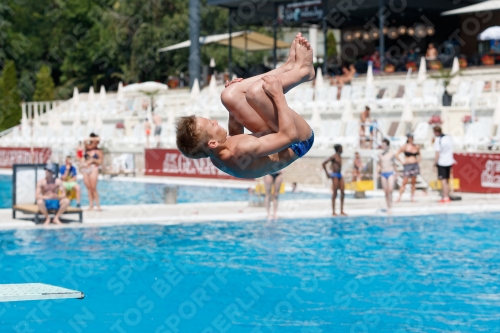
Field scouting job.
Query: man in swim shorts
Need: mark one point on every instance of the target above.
(337, 180)
(68, 177)
(280, 136)
(51, 195)
(386, 168)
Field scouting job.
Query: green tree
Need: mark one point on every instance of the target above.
(10, 110)
(44, 89)
(331, 45)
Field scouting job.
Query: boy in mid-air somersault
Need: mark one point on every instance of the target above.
(280, 135)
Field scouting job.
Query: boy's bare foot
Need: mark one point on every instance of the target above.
(47, 221)
(334, 215)
(90, 209)
(304, 59)
(57, 221)
(343, 214)
(290, 62)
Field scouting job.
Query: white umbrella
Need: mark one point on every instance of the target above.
(76, 97)
(369, 75)
(147, 88)
(492, 33)
(496, 113)
(75, 103)
(347, 112)
(455, 80)
(422, 71)
(195, 91)
(36, 118)
(213, 85)
(319, 79)
(102, 101)
(316, 118)
(120, 104)
(407, 115)
(455, 68)
(91, 99)
(102, 95)
(212, 63)
(478, 7)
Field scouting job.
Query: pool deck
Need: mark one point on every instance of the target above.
(240, 211)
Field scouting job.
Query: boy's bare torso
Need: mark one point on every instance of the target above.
(247, 166)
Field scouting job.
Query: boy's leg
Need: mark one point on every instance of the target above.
(263, 105)
(334, 194)
(342, 196)
(233, 97)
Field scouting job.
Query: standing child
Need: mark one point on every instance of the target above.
(336, 176)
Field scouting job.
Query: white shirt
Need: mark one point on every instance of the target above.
(444, 146)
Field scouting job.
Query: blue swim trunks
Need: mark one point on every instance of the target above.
(336, 175)
(52, 204)
(301, 148)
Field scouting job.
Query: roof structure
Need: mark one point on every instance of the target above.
(243, 40)
(341, 13)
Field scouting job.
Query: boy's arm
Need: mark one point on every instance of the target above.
(325, 162)
(287, 132)
(234, 127)
(39, 190)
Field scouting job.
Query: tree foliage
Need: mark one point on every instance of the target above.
(331, 45)
(101, 42)
(44, 88)
(10, 110)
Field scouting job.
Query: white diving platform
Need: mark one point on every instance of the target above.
(35, 292)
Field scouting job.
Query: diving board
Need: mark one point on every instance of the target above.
(35, 292)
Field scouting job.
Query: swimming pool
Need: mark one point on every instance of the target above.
(409, 274)
(114, 192)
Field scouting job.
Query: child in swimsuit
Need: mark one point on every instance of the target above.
(336, 176)
(386, 164)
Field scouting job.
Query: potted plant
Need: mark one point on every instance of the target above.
(436, 65)
(412, 65)
(390, 68)
(446, 76)
(467, 120)
(462, 61)
(435, 120)
(488, 60)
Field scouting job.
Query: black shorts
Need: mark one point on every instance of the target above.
(444, 172)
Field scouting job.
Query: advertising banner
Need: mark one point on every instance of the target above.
(478, 172)
(170, 162)
(300, 12)
(10, 156)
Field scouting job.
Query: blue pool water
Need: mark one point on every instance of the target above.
(410, 274)
(131, 193)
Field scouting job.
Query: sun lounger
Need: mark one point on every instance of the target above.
(33, 209)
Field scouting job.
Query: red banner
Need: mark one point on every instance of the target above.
(10, 156)
(170, 162)
(477, 172)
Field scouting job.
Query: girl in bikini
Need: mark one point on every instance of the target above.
(93, 159)
(411, 168)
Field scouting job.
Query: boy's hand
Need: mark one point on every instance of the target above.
(272, 86)
(233, 81)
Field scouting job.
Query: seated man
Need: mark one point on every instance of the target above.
(48, 197)
(280, 136)
(68, 176)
